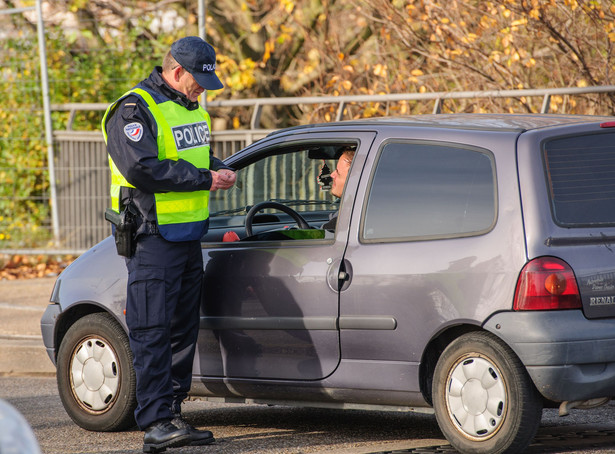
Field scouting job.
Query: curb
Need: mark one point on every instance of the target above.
(24, 355)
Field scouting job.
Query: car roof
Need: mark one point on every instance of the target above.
(488, 122)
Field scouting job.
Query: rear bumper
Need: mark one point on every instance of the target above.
(48, 324)
(567, 356)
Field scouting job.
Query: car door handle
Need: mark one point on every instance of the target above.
(338, 276)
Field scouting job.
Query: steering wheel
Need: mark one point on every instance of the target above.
(302, 223)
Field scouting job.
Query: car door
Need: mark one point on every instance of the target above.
(270, 305)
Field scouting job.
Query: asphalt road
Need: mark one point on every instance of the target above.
(28, 384)
(261, 429)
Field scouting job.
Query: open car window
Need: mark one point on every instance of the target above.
(296, 176)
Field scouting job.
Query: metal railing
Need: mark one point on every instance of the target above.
(437, 98)
(82, 178)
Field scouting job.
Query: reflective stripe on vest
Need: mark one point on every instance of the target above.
(117, 179)
(181, 134)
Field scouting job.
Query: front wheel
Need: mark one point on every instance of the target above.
(96, 379)
(484, 400)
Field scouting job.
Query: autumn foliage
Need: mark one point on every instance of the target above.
(31, 266)
(291, 48)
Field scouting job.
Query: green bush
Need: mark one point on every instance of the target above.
(75, 74)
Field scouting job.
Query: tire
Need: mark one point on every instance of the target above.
(484, 399)
(96, 379)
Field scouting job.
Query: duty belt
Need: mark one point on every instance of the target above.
(150, 228)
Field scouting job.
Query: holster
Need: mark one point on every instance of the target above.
(125, 224)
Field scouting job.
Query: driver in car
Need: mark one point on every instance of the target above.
(338, 177)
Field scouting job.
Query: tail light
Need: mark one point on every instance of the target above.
(547, 283)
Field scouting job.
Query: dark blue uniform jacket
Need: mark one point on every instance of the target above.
(138, 161)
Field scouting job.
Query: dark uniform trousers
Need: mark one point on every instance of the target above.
(162, 314)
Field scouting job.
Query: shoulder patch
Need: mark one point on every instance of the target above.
(134, 131)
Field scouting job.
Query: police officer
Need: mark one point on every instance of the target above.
(158, 141)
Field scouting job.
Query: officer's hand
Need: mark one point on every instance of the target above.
(227, 178)
(215, 177)
(223, 179)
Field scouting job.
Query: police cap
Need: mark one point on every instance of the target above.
(198, 58)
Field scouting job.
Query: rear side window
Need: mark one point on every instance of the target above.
(581, 179)
(428, 190)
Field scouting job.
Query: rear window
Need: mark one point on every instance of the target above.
(581, 179)
(424, 190)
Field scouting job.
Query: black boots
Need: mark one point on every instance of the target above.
(174, 434)
(162, 435)
(197, 437)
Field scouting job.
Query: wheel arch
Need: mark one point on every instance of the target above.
(73, 313)
(432, 352)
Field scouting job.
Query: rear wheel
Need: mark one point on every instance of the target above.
(484, 400)
(96, 380)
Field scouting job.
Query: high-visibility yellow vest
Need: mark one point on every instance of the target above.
(184, 134)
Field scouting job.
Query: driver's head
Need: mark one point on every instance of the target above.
(340, 173)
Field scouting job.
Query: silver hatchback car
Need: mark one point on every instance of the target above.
(471, 271)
